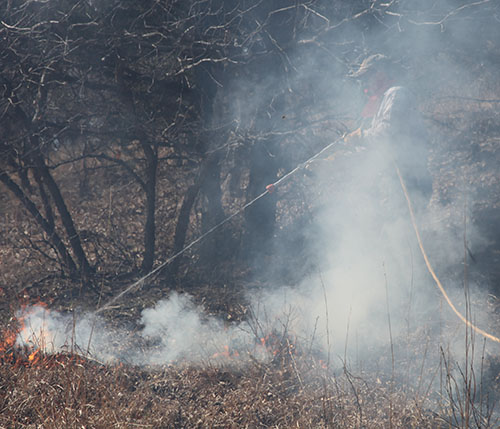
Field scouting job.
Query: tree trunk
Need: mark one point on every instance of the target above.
(183, 223)
(150, 189)
(53, 188)
(217, 247)
(64, 213)
(46, 226)
(261, 217)
(49, 213)
(208, 183)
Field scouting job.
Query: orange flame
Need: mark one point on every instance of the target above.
(227, 353)
(9, 353)
(33, 357)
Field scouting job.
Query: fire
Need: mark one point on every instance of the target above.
(8, 341)
(278, 344)
(33, 357)
(29, 342)
(227, 353)
(34, 343)
(271, 345)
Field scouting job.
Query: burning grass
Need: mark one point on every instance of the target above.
(291, 387)
(74, 392)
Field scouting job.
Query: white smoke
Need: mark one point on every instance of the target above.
(372, 298)
(55, 332)
(174, 330)
(183, 332)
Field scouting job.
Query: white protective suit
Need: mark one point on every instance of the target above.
(398, 133)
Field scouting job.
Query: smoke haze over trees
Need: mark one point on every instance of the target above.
(129, 128)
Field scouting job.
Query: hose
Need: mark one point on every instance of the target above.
(467, 322)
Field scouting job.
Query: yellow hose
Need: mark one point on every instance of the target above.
(431, 270)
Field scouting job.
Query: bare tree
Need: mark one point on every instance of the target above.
(235, 91)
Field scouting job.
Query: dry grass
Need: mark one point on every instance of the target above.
(70, 392)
